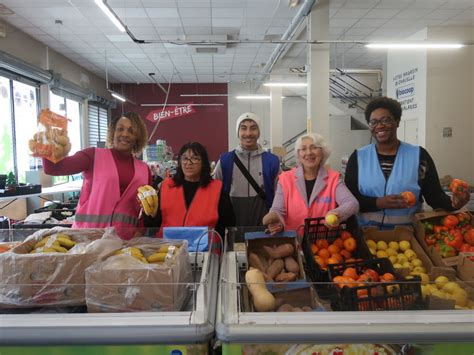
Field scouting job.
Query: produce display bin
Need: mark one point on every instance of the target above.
(65, 328)
(236, 327)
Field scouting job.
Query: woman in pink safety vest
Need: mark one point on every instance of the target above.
(310, 189)
(111, 177)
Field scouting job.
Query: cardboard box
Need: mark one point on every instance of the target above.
(420, 235)
(398, 234)
(255, 241)
(50, 279)
(122, 283)
(436, 303)
(465, 267)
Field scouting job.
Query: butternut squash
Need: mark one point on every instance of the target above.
(263, 300)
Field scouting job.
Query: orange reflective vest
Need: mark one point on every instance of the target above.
(297, 208)
(203, 210)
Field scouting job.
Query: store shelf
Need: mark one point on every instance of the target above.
(195, 324)
(236, 326)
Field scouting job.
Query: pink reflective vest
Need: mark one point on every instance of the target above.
(104, 206)
(297, 208)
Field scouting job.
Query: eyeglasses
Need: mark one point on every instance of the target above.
(312, 148)
(190, 160)
(386, 121)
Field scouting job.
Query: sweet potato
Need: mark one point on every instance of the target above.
(297, 309)
(254, 261)
(275, 268)
(285, 308)
(285, 277)
(281, 251)
(307, 309)
(291, 265)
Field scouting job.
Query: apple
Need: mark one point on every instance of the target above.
(332, 220)
(404, 245)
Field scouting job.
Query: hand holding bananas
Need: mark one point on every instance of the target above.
(148, 198)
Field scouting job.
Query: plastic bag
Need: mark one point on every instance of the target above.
(51, 140)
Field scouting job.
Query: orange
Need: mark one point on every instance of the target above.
(338, 257)
(350, 272)
(387, 277)
(333, 249)
(339, 243)
(345, 235)
(322, 243)
(346, 254)
(320, 261)
(409, 198)
(314, 249)
(324, 253)
(350, 244)
(332, 260)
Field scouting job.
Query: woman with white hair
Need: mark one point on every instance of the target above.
(310, 189)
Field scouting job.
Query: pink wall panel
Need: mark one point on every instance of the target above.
(207, 124)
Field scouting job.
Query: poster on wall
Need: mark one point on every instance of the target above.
(404, 84)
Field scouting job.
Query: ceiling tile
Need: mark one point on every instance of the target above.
(162, 13)
(381, 13)
(443, 14)
(194, 12)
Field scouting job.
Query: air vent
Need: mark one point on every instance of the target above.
(214, 44)
(206, 50)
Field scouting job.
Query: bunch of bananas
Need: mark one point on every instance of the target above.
(163, 253)
(57, 243)
(149, 200)
(132, 251)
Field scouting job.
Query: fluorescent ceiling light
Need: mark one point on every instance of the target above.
(161, 105)
(415, 45)
(118, 97)
(202, 95)
(253, 97)
(110, 14)
(286, 84)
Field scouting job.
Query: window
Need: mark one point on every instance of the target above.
(98, 123)
(6, 134)
(18, 122)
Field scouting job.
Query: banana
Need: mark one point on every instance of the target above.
(41, 242)
(163, 249)
(66, 243)
(61, 235)
(156, 258)
(59, 249)
(149, 199)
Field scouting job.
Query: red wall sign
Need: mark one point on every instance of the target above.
(170, 112)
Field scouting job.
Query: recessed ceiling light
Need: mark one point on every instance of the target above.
(414, 45)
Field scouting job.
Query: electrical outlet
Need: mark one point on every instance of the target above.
(447, 132)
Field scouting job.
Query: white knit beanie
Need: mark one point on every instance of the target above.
(247, 116)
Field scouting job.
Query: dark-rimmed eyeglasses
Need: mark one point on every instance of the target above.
(386, 121)
(190, 160)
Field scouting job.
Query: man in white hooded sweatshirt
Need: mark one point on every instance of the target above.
(251, 195)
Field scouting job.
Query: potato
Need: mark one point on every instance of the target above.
(281, 251)
(307, 309)
(32, 144)
(297, 309)
(291, 265)
(62, 140)
(275, 268)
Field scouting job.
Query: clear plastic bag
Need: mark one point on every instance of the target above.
(51, 140)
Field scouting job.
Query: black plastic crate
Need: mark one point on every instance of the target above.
(315, 229)
(400, 294)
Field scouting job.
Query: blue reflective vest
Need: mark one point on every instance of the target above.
(270, 166)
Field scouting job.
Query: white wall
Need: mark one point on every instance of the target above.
(450, 103)
(24, 47)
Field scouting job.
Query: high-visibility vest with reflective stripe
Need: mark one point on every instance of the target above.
(203, 210)
(297, 209)
(104, 206)
(403, 177)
